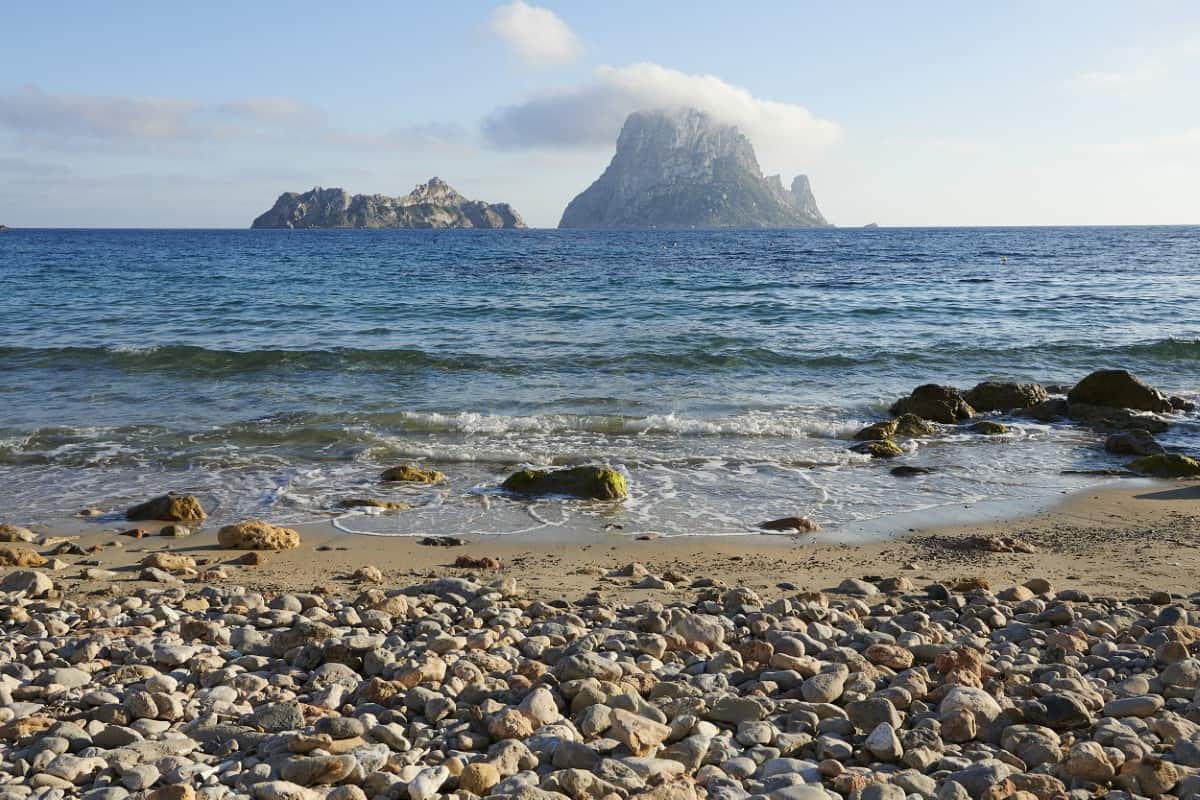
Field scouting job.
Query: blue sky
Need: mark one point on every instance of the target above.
(140, 114)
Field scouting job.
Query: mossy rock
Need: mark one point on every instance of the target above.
(877, 432)
(989, 428)
(371, 502)
(912, 426)
(943, 404)
(882, 449)
(998, 396)
(1118, 388)
(411, 473)
(1167, 465)
(596, 483)
(168, 508)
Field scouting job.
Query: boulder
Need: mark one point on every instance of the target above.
(19, 557)
(257, 535)
(1118, 388)
(912, 426)
(1136, 442)
(935, 403)
(877, 431)
(987, 427)
(598, 483)
(1103, 418)
(997, 396)
(29, 581)
(169, 507)
(1166, 465)
(410, 473)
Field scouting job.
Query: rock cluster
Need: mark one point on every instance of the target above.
(458, 688)
(1113, 402)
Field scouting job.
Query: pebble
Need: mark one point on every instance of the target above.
(462, 687)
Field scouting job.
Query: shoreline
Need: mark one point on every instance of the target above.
(1115, 539)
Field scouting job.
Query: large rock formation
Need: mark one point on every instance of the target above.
(683, 169)
(431, 205)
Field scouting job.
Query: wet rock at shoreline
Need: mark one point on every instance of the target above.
(1135, 442)
(411, 473)
(1104, 418)
(168, 508)
(997, 396)
(1118, 388)
(798, 524)
(1166, 465)
(886, 448)
(943, 404)
(257, 535)
(598, 483)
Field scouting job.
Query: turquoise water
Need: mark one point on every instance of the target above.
(275, 372)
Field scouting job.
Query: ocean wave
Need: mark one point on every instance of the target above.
(705, 353)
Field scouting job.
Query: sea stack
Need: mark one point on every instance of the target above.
(681, 168)
(431, 205)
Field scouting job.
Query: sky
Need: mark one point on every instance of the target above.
(149, 114)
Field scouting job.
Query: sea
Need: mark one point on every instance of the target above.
(275, 373)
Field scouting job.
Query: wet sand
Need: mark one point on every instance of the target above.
(1126, 541)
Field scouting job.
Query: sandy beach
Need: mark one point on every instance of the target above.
(1125, 539)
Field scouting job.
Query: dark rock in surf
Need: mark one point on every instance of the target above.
(1118, 388)
(943, 404)
(1136, 442)
(997, 396)
(1180, 404)
(799, 524)
(1103, 418)
(987, 427)
(905, 471)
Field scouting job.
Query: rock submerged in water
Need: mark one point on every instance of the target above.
(905, 471)
(943, 404)
(1119, 388)
(411, 473)
(595, 483)
(1135, 442)
(1105, 418)
(371, 502)
(257, 535)
(907, 425)
(1166, 465)
(169, 507)
(998, 396)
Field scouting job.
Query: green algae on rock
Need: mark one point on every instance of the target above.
(598, 483)
(1167, 465)
(989, 428)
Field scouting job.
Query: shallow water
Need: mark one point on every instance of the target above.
(276, 372)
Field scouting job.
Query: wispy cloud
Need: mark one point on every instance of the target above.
(591, 114)
(536, 35)
(29, 111)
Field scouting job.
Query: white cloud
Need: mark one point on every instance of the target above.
(591, 115)
(537, 35)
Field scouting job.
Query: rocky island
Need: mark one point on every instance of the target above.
(431, 205)
(681, 168)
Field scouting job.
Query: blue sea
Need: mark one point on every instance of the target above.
(275, 373)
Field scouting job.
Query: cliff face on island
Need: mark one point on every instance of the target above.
(682, 169)
(431, 205)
